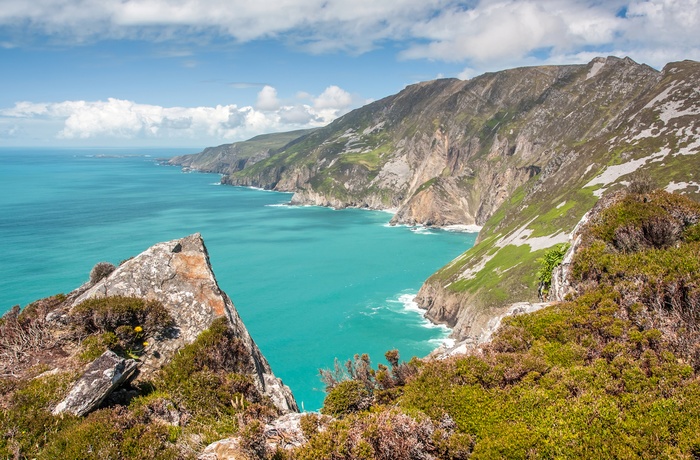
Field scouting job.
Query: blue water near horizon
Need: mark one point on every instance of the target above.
(311, 284)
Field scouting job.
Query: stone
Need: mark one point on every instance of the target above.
(284, 433)
(179, 275)
(101, 377)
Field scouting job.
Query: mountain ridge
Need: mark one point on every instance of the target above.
(523, 152)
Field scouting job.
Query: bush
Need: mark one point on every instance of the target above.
(347, 397)
(131, 319)
(548, 262)
(100, 271)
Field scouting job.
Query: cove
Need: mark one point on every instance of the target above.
(311, 284)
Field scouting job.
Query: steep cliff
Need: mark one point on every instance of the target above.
(522, 152)
(450, 151)
(655, 136)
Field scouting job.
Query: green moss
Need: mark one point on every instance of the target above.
(425, 185)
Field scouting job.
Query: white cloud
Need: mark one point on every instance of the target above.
(124, 120)
(267, 99)
(480, 34)
(333, 98)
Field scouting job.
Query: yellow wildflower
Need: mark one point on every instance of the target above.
(138, 329)
(145, 344)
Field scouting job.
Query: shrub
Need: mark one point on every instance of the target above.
(548, 262)
(100, 271)
(346, 397)
(641, 183)
(131, 319)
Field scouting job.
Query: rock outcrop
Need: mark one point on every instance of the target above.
(100, 378)
(178, 274)
(282, 433)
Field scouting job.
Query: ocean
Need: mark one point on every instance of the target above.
(311, 284)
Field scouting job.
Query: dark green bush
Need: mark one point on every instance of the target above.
(547, 263)
(347, 397)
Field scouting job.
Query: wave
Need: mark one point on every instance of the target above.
(463, 228)
(425, 230)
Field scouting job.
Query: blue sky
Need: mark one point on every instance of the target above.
(195, 73)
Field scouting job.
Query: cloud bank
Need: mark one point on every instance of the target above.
(122, 119)
(478, 32)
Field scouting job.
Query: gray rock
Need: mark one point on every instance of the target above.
(283, 433)
(178, 274)
(100, 378)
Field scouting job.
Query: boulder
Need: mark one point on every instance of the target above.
(282, 433)
(101, 377)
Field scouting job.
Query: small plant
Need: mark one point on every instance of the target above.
(347, 397)
(548, 262)
(641, 183)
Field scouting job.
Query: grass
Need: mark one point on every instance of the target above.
(604, 375)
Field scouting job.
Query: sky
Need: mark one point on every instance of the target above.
(196, 73)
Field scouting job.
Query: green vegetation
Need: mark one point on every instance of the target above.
(548, 262)
(119, 323)
(613, 373)
(204, 394)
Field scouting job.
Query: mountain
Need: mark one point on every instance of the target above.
(229, 158)
(524, 153)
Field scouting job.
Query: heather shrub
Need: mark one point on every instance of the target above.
(100, 271)
(130, 319)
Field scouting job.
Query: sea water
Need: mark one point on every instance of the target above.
(311, 284)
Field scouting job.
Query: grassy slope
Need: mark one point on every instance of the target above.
(605, 375)
(551, 205)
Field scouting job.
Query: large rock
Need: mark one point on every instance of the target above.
(178, 274)
(100, 378)
(282, 433)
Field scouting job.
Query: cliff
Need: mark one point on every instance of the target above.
(229, 158)
(524, 153)
(653, 137)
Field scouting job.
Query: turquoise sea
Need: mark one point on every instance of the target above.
(311, 284)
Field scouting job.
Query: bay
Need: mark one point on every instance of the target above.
(311, 284)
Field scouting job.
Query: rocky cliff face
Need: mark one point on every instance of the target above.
(525, 153)
(655, 135)
(450, 151)
(178, 274)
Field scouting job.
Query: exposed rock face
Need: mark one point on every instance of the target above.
(524, 153)
(479, 328)
(450, 151)
(178, 274)
(654, 132)
(100, 378)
